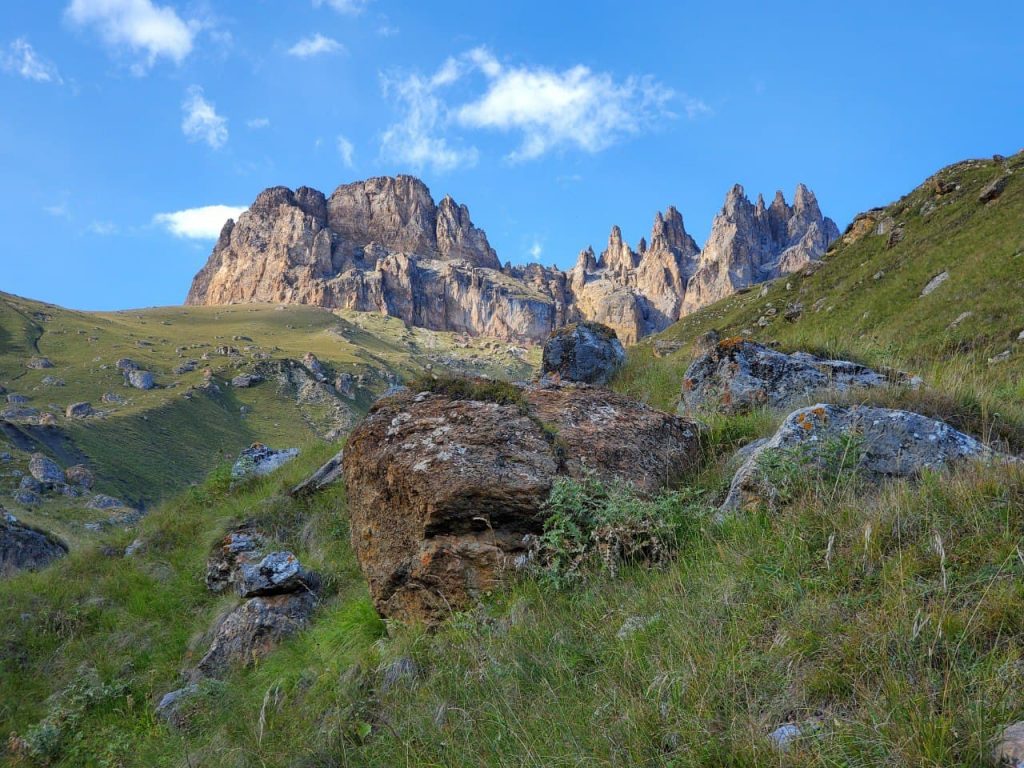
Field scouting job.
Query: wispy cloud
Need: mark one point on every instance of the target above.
(103, 228)
(139, 26)
(546, 109)
(21, 58)
(315, 45)
(201, 121)
(204, 223)
(536, 250)
(256, 123)
(416, 139)
(346, 150)
(349, 7)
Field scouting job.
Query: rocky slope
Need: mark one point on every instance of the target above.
(383, 245)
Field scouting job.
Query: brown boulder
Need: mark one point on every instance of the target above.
(443, 487)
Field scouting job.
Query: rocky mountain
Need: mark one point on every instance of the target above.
(383, 245)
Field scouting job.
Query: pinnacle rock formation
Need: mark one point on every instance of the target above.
(383, 245)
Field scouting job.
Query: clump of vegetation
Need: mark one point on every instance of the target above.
(465, 388)
(592, 526)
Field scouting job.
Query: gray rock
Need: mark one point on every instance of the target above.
(1009, 750)
(40, 362)
(26, 498)
(244, 380)
(784, 736)
(330, 472)
(24, 548)
(139, 379)
(992, 190)
(52, 381)
(883, 443)
(315, 367)
(238, 547)
(275, 574)
(187, 367)
(134, 548)
(738, 375)
(102, 501)
(258, 459)
(15, 399)
(584, 352)
(80, 475)
(45, 469)
(171, 705)
(934, 283)
(79, 410)
(251, 630)
(113, 398)
(126, 364)
(29, 483)
(19, 414)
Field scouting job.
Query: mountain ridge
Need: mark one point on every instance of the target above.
(384, 245)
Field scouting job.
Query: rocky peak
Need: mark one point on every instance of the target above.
(618, 257)
(457, 238)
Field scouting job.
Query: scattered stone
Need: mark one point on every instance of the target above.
(102, 501)
(738, 375)
(25, 548)
(19, 414)
(585, 352)
(945, 187)
(895, 237)
(47, 420)
(934, 283)
(251, 630)
(345, 385)
(52, 381)
(244, 380)
(883, 443)
(80, 475)
(187, 367)
(134, 377)
(793, 311)
(1001, 357)
(45, 469)
(663, 347)
(634, 624)
(313, 365)
(330, 472)
(784, 736)
(238, 547)
(275, 574)
(79, 410)
(170, 709)
(134, 548)
(126, 364)
(40, 362)
(992, 190)
(444, 492)
(959, 319)
(113, 398)
(258, 460)
(26, 498)
(14, 399)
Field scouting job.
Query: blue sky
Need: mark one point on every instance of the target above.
(550, 120)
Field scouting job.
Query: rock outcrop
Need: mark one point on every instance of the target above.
(24, 548)
(585, 352)
(443, 490)
(737, 375)
(876, 443)
(383, 245)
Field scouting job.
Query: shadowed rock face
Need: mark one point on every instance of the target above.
(383, 245)
(442, 491)
(24, 548)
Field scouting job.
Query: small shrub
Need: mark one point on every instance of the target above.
(592, 526)
(463, 388)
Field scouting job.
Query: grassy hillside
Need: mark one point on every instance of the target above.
(887, 624)
(864, 301)
(158, 441)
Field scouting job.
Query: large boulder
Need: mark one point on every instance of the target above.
(133, 377)
(736, 375)
(585, 352)
(24, 548)
(259, 459)
(443, 488)
(877, 443)
(79, 410)
(45, 470)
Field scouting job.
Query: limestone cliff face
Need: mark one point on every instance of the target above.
(383, 245)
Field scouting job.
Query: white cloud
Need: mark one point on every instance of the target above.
(536, 250)
(256, 123)
(387, 30)
(548, 109)
(60, 210)
(103, 228)
(203, 223)
(314, 46)
(577, 107)
(350, 7)
(346, 150)
(201, 121)
(137, 25)
(416, 139)
(22, 59)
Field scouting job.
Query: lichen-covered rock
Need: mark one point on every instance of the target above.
(138, 379)
(878, 443)
(737, 375)
(442, 489)
(79, 410)
(251, 630)
(259, 459)
(39, 363)
(245, 380)
(24, 548)
(238, 547)
(585, 352)
(1009, 751)
(45, 470)
(80, 475)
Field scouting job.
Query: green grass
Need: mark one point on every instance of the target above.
(888, 623)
